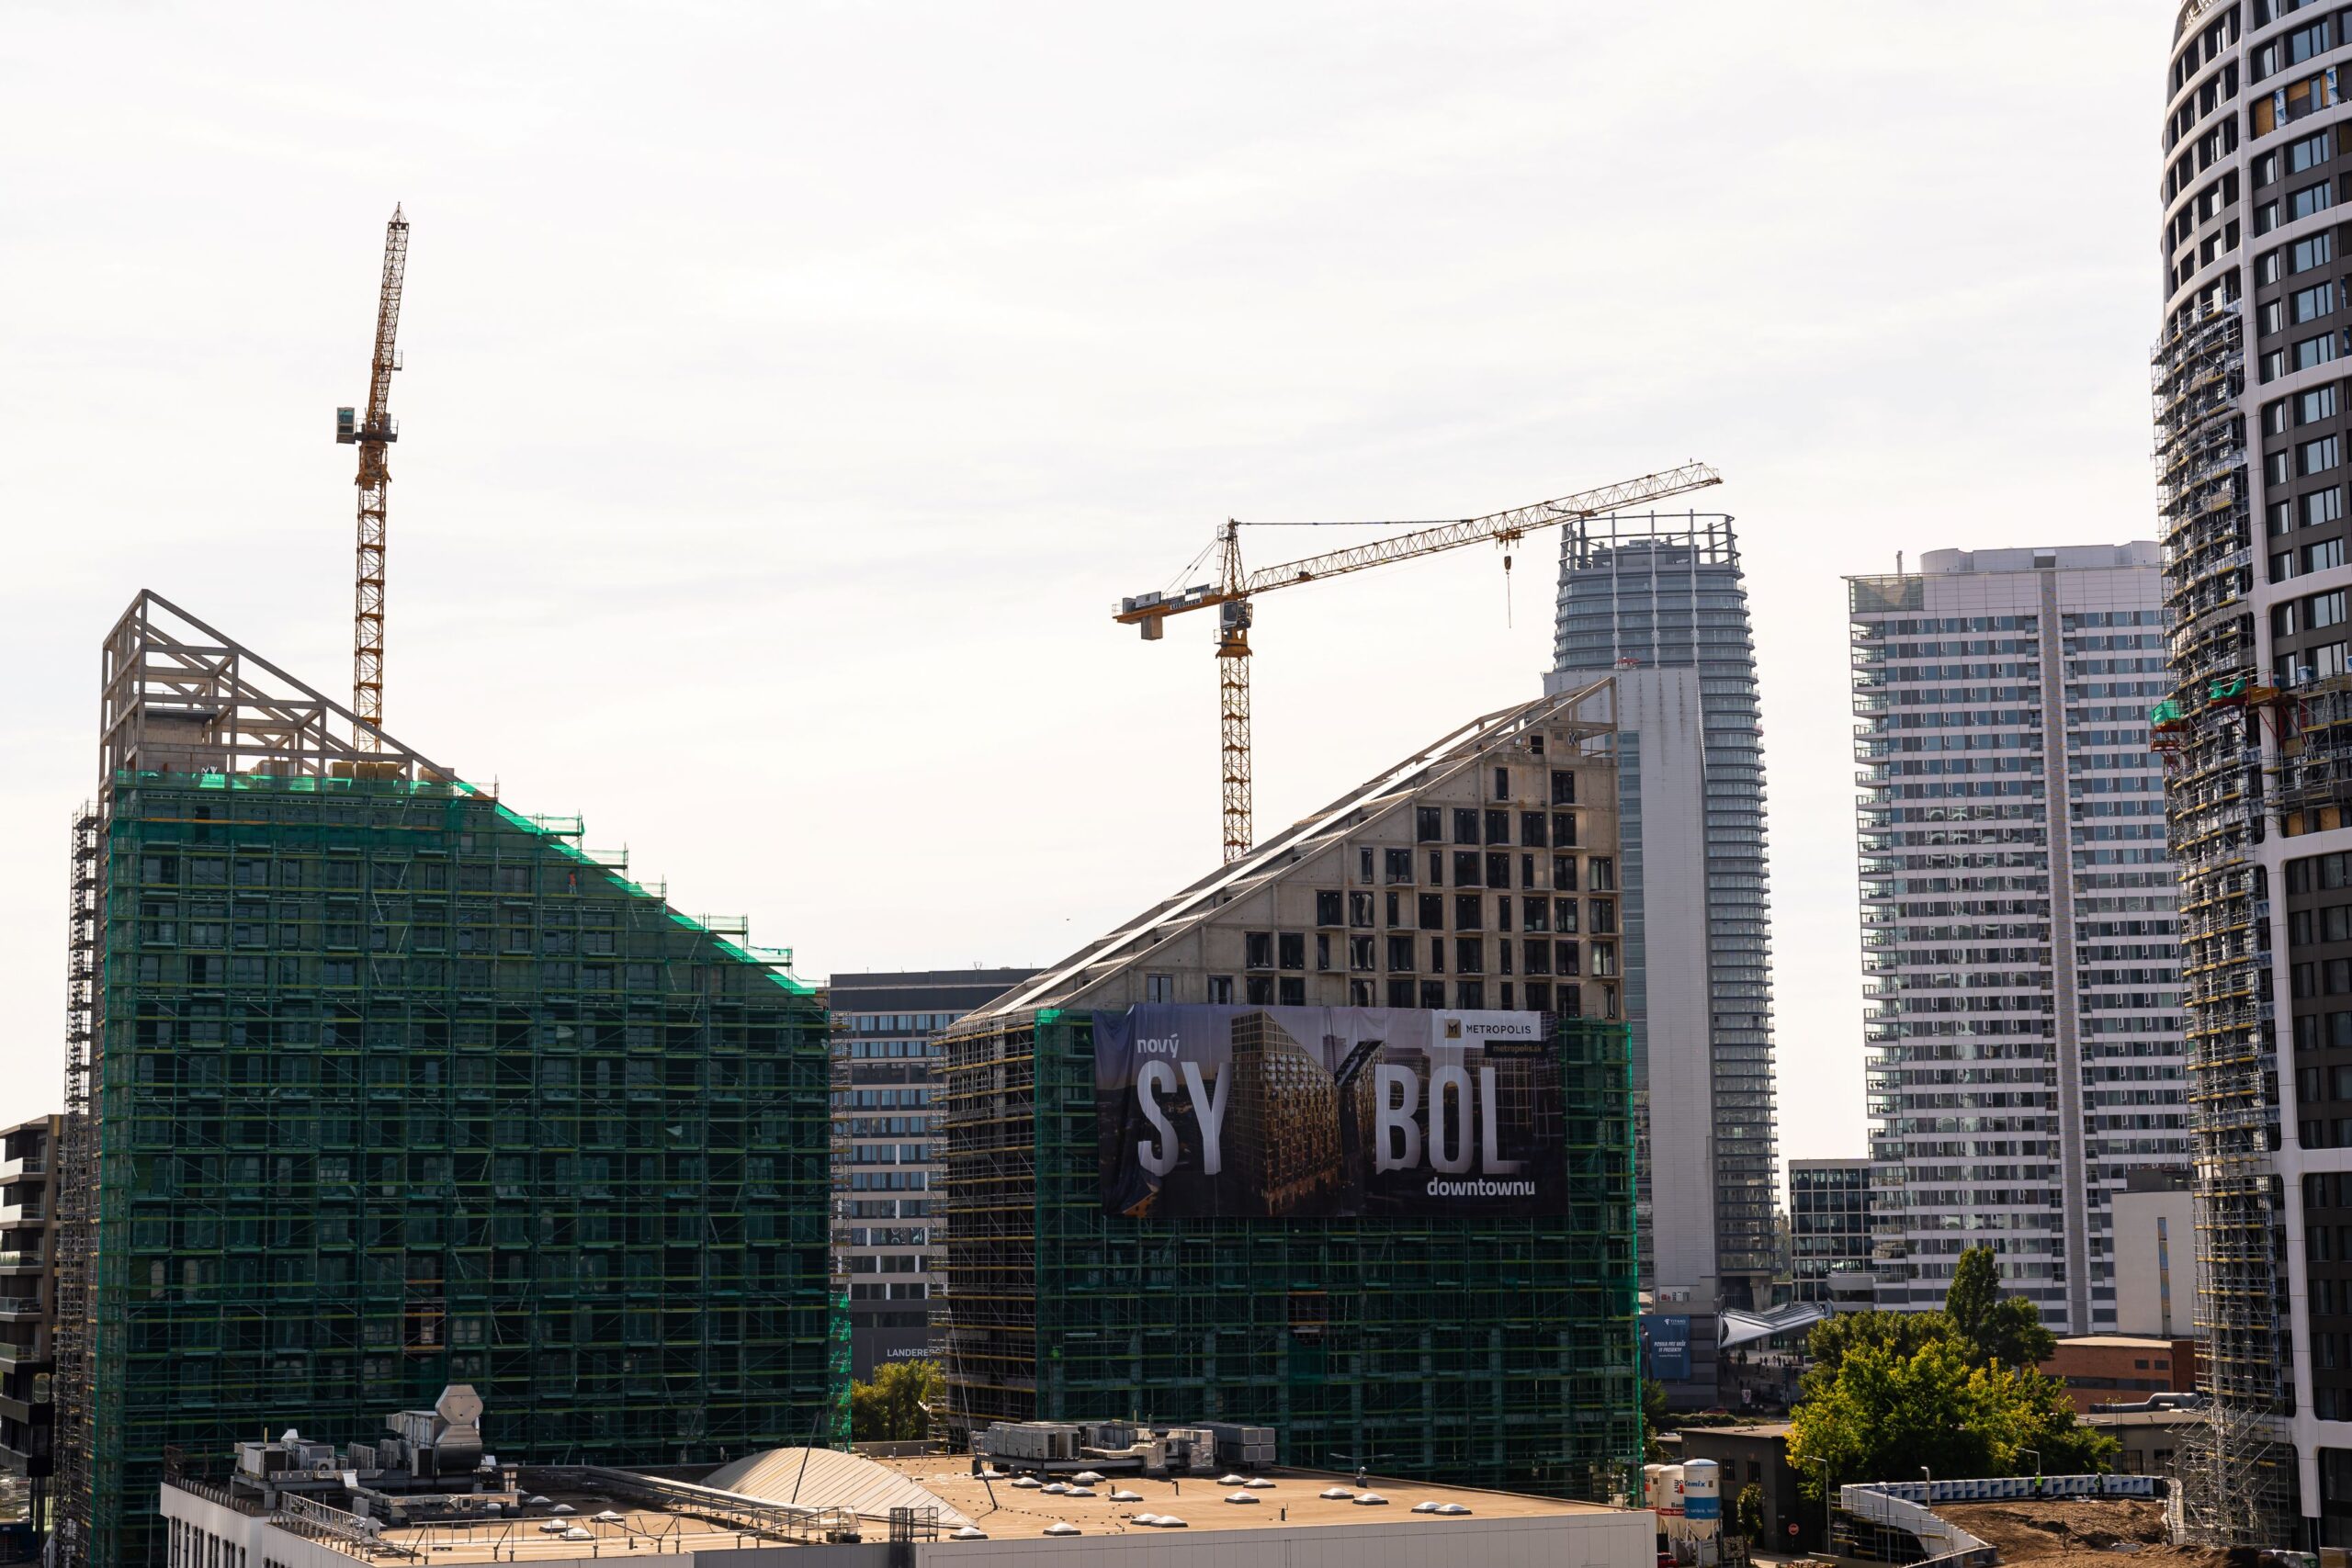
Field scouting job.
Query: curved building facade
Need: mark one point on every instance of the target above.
(2252, 439)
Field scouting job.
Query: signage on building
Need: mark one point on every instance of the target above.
(1668, 1342)
(1282, 1112)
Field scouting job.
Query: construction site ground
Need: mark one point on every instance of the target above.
(2078, 1533)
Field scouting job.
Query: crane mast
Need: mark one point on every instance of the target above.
(1236, 587)
(372, 433)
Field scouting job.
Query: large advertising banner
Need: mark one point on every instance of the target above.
(1270, 1112)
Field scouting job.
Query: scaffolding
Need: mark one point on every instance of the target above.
(74, 1193)
(2235, 1474)
(392, 1087)
(1487, 1352)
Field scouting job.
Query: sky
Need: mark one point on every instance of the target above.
(792, 390)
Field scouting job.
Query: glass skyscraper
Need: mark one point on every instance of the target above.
(1658, 602)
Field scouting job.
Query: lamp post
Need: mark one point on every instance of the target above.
(2037, 1459)
(1828, 1524)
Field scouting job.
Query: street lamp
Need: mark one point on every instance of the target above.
(2037, 1459)
(1828, 1523)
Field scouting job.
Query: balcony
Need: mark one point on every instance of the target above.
(20, 1307)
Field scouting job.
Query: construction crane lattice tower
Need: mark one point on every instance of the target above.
(1236, 587)
(372, 433)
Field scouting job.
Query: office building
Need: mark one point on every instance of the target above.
(1830, 1232)
(886, 1228)
(1221, 1165)
(1658, 604)
(2019, 916)
(28, 1307)
(389, 1086)
(2252, 428)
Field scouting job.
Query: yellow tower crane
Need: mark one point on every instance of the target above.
(372, 434)
(1236, 587)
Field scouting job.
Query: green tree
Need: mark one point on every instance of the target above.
(895, 1407)
(2003, 1329)
(1900, 1332)
(1883, 1413)
(1653, 1421)
(1748, 1514)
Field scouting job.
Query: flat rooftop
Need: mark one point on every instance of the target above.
(1016, 1513)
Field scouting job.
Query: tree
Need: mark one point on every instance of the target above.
(1883, 1413)
(2002, 1329)
(1653, 1421)
(1748, 1514)
(1900, 1332)
(895, 1407)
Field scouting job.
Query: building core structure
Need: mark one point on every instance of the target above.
(382, 1085)
(886, 1221)
(2252, 426)
(1658, 604)
(2019, 916)
(1313, 1234)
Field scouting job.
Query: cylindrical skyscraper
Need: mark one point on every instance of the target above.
(2250, 416)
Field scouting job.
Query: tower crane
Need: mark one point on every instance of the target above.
(372, 433)
(1236, 587)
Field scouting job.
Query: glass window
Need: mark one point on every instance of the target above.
(2317, 457)
(2305, 254)
(2311, 152)
(2313, 351)
(2314, 405)
(2323, 506)
(2325, 553)
(2310, 304)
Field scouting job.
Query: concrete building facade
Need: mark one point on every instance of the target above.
(1661, 606)
(27, 1305)
(2155, 1253)
(1830, 1232)
(887, 1221)
(1470, 886)
(2252, 432)
(2019, 917)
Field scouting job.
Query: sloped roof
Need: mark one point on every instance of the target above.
(1459, 749)
(826, 1478)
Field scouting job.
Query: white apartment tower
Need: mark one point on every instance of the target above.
(2020, 920)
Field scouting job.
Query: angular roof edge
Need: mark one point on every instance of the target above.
(1454, 750)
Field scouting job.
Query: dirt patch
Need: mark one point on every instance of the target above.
(2079, 1533)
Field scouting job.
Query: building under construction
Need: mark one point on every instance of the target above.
(1469, 888)
(376, 1085)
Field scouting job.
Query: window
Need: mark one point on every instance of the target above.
(2315, 405)
(2274, 364)
(1601, 873)
(1468, 911)
(2265, 268)
(2308, 153)
(1564, 787)
(1470, 995)
(1604, 916)
(1498, 871)
(1563, 915)
(2272, 316)
(1433, 994)
(2266, 170)
(2305, 254)
(2322, 610)
(1432, 912)
(1400, 993)
(1469, 955)
(1563, 829)
(2274, 417)
(1359, 954)
(1397, 864)
(1465, 868)
(2311, 199)
(1429, 824)
(1160, 988)
(2317, 457)
(2277, 466)
(1221, 987)
(1532, 826)
(1400, 956)
(1291, 945)
(1293, 992)
(1259, 990)
(1326, 907)
(2282, 566)
(1502, 783)
(1499, 827)
(2323, 506)
(2321, 557)
(2310, 304)
(2280, 517)
(1363, 866)
(1465, 825)
(1360, 910)
(1257, 950)
(1564, 873)
(2312, 352)
(1535, 914)
(1322, 951)
(2265, 218)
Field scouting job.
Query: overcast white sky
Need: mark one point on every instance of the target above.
(792, 390)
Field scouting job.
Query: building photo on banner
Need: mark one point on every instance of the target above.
(1276, 1111)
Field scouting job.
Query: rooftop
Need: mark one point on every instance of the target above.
(2115, 1342)
(1006, 1512)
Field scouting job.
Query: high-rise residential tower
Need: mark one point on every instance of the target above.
(888, 1219)
(378, 1085)
(1659, 602)
(2019, 921)
(2252, 430)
